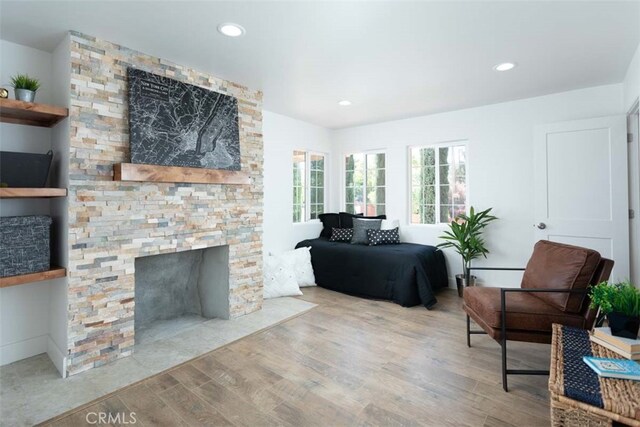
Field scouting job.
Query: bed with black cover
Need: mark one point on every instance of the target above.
(408, 274)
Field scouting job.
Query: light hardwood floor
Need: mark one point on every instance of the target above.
(349, 361)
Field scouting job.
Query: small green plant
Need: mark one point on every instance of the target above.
(23, 81)
(620, 297)
(465, 236)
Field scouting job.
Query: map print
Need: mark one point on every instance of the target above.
(177, 124)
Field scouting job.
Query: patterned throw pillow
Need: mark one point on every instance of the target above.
(383, 237)
(279, 278)
(341, 235)
(299, 260)
(360, 227)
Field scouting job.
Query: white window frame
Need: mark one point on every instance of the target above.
(436, 145)
(307, 183)
(343, 174)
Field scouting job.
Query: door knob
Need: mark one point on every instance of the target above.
(541, 225)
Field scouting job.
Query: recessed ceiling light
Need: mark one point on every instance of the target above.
(231, 29)
(505, 66)
(344, 103)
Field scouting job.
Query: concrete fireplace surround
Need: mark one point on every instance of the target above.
(110, 224)
(180, 289)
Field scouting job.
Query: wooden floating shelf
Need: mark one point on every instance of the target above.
(154, 173)
(31, 113)
(20, 193)
(53, 273)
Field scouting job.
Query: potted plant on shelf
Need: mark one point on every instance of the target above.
(620, 302)
(25, 87)
(465, 236)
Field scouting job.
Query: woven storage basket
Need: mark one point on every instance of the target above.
(566, 415)
(621, 398)
(24, 244)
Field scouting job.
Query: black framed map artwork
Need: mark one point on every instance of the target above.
(177, 124)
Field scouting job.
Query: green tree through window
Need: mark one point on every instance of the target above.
(438, 183)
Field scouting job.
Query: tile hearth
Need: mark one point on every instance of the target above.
(32, 390)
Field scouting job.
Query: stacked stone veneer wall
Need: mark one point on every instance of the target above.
(111, 223)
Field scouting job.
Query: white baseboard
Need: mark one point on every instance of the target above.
(57, 357)
(13, 352)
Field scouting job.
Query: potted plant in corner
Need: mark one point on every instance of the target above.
(465, 236)
(620, 302)
(25, 87)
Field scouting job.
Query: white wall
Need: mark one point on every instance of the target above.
(631, 87)
(633, 125)
(282, 135)
(60, 140)
(631, 84)
(500, 171)
(16, 58)
(25, 310)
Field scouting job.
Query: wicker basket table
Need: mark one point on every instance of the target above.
(578, 396)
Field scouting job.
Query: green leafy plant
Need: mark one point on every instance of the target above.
(23, 81)
(620, 297)
(465, 236)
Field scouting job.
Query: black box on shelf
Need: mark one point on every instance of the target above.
(24, 170)
(24, 244)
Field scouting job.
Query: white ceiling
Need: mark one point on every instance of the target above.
(392, 59)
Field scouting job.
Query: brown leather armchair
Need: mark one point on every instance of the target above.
(553, 290)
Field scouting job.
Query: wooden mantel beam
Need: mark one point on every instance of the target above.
(155, 173)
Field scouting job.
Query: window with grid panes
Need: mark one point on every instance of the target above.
(438, 183)
(365, 191)
(308, 185)
(316, 185)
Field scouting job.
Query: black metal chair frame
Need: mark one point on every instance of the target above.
(503, 324)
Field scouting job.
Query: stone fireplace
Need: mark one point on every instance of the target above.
(113, 225)
(180, 289)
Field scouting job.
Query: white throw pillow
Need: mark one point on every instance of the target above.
(300, 262)
(389, 224)
(279, 278)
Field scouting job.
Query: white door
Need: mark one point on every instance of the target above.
(581, 187)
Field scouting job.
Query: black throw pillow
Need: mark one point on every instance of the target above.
(329, 222)
(346, 219)
(383, 237)
(341, 235)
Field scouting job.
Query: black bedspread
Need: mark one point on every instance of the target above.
(408, 274)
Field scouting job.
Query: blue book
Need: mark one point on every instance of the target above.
(614, 368)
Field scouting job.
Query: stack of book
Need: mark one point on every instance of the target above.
(625, 347)
(614, 368)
